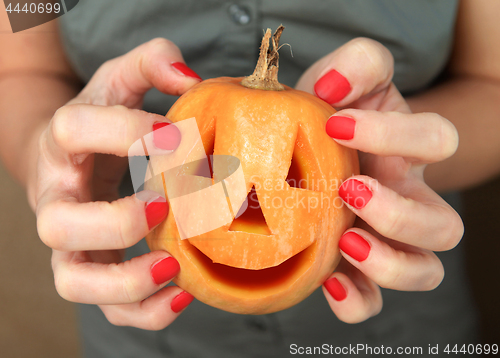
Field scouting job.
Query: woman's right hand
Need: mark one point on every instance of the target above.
(82, 156)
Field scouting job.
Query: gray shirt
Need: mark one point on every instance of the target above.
(219, 38)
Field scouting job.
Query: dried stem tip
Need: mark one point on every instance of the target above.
(265, 75)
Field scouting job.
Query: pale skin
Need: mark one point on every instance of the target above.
(71, 174)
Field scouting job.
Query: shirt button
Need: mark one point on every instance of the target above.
(239, 14)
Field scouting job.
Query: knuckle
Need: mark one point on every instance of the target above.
(452, 230)
(124, 131)
(432, 272)
(42, 143)
(391, 274)
(113, 317)
(377, 306)
(395, 221)
(120, 109)
(63, 286)
(50, 233)
(442, 136)
(156, 322)
(383, 136)
(377, 55)
(360, 315)
(435, 278)
(448, 137)
(62, 127)
(59, 126)
(107, 67)
(129, 286)
(160, 44)
(122, 232)
(125, 228)
(43, 226)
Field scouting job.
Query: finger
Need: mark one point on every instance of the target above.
(412, 269)
(77, 130)
(352, 296)
(423, 137)
(78, 279)
(154, 313)
(360, 67)
(426, 221)
(124, 80)
(67, 225)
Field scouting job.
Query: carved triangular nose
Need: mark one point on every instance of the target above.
(252, 219)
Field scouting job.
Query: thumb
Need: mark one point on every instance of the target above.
(125, 79)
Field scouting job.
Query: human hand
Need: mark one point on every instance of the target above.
(82, 156)
(401, 221)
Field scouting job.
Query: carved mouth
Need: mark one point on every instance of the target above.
(251, 280)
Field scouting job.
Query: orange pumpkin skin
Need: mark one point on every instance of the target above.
(241, 268)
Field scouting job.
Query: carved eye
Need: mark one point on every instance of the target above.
(304, 171)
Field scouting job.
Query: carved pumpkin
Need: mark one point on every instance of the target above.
(285, 244)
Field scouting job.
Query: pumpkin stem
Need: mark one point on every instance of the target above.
(265, 75)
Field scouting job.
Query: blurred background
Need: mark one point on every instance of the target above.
(36, 322)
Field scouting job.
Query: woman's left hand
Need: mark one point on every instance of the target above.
(401, 221)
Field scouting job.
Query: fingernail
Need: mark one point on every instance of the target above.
(332, 87)
(335, 288)
(166, 136)
(156, 211)
(339, 127)
(355, 246)
(185, 70)
(355, 193)
(165, 270)
(181, 301)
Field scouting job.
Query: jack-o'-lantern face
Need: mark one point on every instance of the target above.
(285, 244)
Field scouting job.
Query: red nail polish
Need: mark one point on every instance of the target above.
(165, 270)
(339, 127)
(166, 136)
(156, 211)
(185, 70)
(355, 246)
(355, 193)
(332, 87)
(335, 288)
(181, 301)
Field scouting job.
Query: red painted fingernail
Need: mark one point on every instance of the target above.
(181, 301)
(335, 288)
(332, 87)
(165, 270)
(339, 127)
(355, 193)
(355, 246)
(185, 70)
(166, 136)
(156, 211)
